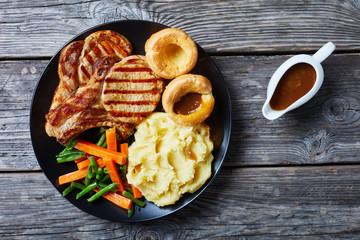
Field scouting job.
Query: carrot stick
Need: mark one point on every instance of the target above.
(109, 163)
(117, 199)
(124, 148)
(73, 176)
(80, 159)
(114, 174)
(86, 163)
(95, 150)
(111, 140)
(136, 192)
(83, 164)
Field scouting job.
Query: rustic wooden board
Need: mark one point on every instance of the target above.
(39, 28)
(325, 130)
(256, 203)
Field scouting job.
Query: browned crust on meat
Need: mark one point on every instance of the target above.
(131, 90)
(67, 72)
(83, 97)
(101, 85)
(101, 44)
(68, 78)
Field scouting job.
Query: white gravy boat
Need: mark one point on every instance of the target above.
(315, 61)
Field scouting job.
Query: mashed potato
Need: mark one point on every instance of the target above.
(167, 160)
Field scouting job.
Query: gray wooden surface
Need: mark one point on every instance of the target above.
(296, 177)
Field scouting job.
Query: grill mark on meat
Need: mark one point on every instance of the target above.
(97, 51)
(114, 102)
(130, 114)
(89, 59)
(135, 69)
(78, 103)
(68, 62)
(107, 47)
(114, 80)
(83, 69)
(120, 51)
(134, 61)
(152, 91)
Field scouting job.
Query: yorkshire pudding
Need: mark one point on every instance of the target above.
(188, 99)
(171, 53)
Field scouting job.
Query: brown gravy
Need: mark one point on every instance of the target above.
(188, 103)
(295, 83)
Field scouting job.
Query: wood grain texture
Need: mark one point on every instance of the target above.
(254, 203)
(315, 133)
(325, 130)
(39, 29)
(17, 83)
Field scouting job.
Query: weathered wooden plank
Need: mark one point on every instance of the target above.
(325, 130)
(38, 29)
(17, 83)
(256, 203)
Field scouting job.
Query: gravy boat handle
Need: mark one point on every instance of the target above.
(324, 52)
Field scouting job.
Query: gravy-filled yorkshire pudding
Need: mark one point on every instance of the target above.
(171, 53)
(188, 99)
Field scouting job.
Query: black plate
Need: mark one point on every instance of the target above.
(46, 148)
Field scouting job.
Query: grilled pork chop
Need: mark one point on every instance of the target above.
(68, 77)
(101, 44)
(131, 90)
(67, 71)
(119, 96)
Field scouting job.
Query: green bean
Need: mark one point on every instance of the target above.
(101, 139)
(77, 185)
(131, 210)
(103, 185)
(122, 171)
(135, 200)
(70, 146)
(104, 145)
(69, 153)
(102, 191)
(102, 130)
(98, 177)
(86, 190)
(100, 174)
(67, 190)
(88, 175)
(128, 189)
(93, 164)
(105, 178)
(70, 158)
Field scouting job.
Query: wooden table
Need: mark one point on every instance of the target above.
(293, 178)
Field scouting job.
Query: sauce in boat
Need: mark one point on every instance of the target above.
(295, 83)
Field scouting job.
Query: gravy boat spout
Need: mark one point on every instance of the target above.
(313, 63)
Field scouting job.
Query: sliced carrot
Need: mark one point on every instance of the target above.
(117, 199)
(124, 148)
(109, 162)
(86, 163)
(114, 174)
(80, 159)
(136, 192)
(73, 176)
(83, 164)
(95, 150)
(111, 140)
